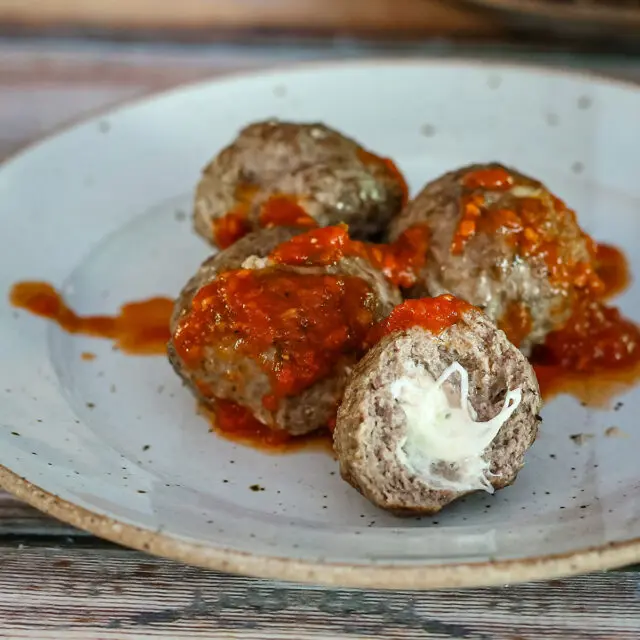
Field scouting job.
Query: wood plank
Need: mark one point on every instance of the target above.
(113, 593)
(19, 519)
(435, 17)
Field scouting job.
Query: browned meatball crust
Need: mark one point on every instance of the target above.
(331, 177)
(372, 421)
(241, 379)
(508, 271)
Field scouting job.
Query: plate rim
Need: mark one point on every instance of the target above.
(487, 63)
(350, 575)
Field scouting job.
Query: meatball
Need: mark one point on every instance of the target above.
(323, 177)
(431, 414)
(277, 339)
(503, 242)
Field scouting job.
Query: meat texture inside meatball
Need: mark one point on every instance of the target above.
(301, 174)
(276, 339)
(429, 416)
(502, 241)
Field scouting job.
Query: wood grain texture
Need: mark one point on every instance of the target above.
(426, 16)
(113, 593)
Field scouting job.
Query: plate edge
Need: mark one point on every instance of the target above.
(405, 577)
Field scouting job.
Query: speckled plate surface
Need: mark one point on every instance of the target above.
(114, 445)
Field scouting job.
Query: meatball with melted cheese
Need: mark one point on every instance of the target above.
(298, 174)
(442, 406)
(506, 244)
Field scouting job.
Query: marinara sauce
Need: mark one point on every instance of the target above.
(525, 225)
(140, 328)
(433, 314)
(400, 261)
(237, 424)
(296, 326)
(283, 209)
(235, 224)
(368, 158)
(597, 349)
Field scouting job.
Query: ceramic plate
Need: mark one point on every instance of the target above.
(114, 445)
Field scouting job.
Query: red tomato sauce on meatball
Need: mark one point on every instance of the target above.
(366, 157)
(613, 269)
(284, 211)
(433, 314)
(234, 225)
(399, 261)
(295, 325)
(525, 226)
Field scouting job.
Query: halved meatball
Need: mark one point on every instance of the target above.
(276, 339)
(328, 176)
(430, 416)
(503, 242)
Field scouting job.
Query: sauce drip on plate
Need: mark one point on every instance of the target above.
(593, 357)
(235, 423)
(596, 355)
(140, 328)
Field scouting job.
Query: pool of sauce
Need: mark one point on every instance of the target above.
(596, 355)
(140, 328)
(233, 422)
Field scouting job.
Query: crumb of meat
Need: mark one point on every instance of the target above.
(255, 262)
(581, 438)
(615, 432)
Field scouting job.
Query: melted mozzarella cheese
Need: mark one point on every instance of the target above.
(443, 444)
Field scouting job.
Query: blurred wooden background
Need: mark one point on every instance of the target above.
(428, 17)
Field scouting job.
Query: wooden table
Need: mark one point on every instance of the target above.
(56, 582)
